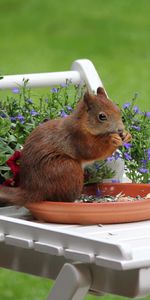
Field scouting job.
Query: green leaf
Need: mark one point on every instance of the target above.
(4, 168)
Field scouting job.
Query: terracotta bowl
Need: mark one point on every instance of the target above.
(97, 213)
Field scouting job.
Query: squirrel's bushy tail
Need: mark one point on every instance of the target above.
(16, 196)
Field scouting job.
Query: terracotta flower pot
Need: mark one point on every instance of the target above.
(97, 213)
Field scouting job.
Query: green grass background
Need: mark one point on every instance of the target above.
(48, 35)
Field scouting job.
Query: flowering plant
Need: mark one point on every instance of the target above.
(137, 153)
(20, 114)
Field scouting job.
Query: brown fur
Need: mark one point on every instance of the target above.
(53, 154)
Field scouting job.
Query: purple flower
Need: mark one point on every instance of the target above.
(136, 109)
(34, 113)
(127, 145)
(138, 128)
(110, 158)
(116, 155)
(97, 166)
(147, 114)
(143, 170)
(54, 90)
(12, 118)
(63, 84)
(98, 192)
(115, 180)
(69, 107)
(16, 90)
(147, 153)
(2, 115)
(30, 101)
(20, 118)
(63, 114)
(126, 105)
(127, 156)
(144, 161)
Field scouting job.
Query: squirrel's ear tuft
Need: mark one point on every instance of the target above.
(86, 95)
(88, 99)
(101, 91)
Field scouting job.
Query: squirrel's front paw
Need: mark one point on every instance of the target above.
(127, 137)
(115, 140)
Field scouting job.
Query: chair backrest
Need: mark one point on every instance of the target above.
(82, 72)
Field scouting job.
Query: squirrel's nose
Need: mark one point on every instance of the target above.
(120, 131)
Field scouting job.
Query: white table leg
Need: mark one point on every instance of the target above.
(72, 283)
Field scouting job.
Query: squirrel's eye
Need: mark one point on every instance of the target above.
(102, 116)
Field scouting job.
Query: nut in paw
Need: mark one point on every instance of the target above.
(115, 140)
(127, 137)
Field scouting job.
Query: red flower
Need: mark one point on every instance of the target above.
(14, 163)
(9, 182)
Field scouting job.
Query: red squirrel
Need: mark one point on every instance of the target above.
(55, 153)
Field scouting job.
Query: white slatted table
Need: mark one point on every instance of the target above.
(100, 259)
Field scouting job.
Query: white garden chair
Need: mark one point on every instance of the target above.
(97, 259)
